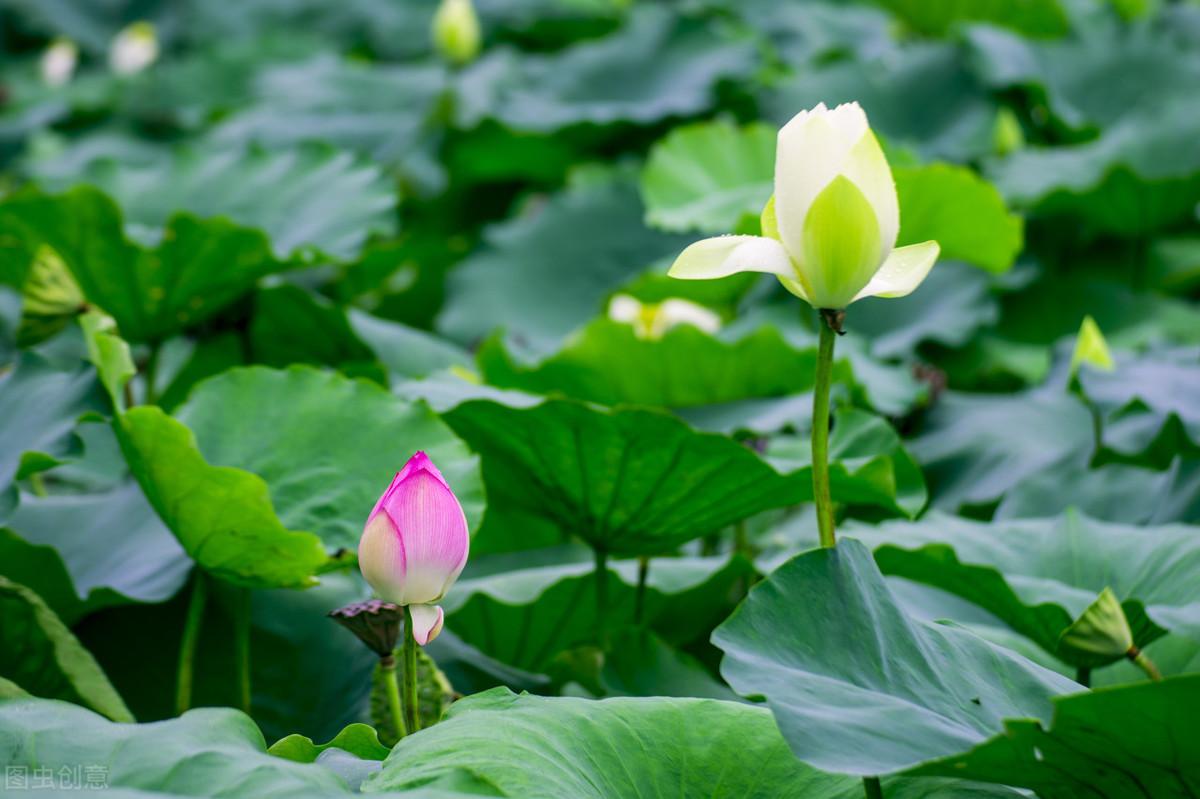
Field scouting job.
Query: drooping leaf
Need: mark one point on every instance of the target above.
(40, 655)
(823, 633)
(546, 747)
(1039, 575)
(325, 445)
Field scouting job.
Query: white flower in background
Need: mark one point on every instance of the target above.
(59, 61)
(653, 320)
(829, 231)
(133, 49)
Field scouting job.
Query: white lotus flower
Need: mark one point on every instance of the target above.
(653, 320)
(59, 61)
(829, 231)
(133, 49)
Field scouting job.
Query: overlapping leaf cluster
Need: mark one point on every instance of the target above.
(239, 288)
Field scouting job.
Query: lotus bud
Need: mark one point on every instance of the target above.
(1091, 348)
(415, 544)
(1102, 630)
(456, 31)
(653, 320)
(59, 61)
(829, 231)
(133, 49)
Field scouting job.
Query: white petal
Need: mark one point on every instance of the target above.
(727, 255)
(903, 271)
(427, 622)
(810, 153)
(868, 169)
(681, 312)
(849, 119)
(623, 308)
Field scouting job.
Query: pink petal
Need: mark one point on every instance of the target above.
(426, 622)
(382, 560)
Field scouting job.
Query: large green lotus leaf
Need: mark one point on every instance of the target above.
(406, 352)
(222, 516)
(1144, 395)
(628, 481)
(868, 464)
(922, 96)
(357, 739)
(327, 446)
(1130, 740)
(527, 616)
(658, 65)
(304, 198)
(543, 275)
(707, 176)
(962, 211)
(198, 268)
(823, 634)
(607, 362)
(39, 405)
(40, 655)
(1114, 492)
(950, 308)
(1039, 575)
(1030, 17)
(215, 752)
(975, 447)
(82, 552)
(537, 747)
(1119, 182)
(639, 663)
(1105, 73)
(336, 100)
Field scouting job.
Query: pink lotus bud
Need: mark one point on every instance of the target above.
(415, 544)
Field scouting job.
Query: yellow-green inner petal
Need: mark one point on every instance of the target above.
(841, 244)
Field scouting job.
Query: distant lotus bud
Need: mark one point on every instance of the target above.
(1091, 348)
(1007, 136)
(829, 231)
(133, 49)
(456, 31)
(415, 544)
(653, 320)
(59, 61)
(1102, 630)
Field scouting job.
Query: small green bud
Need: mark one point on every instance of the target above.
(456, 33)
(1007, 135)
(1091, 348)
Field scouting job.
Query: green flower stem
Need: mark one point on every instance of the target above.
(412, 716)
(1143, 662)
(191, 635)
(387, 664)
(241, 646)
(639, 602)
(872, 788)
(602, 597)
(820, 432)
(37, 484)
